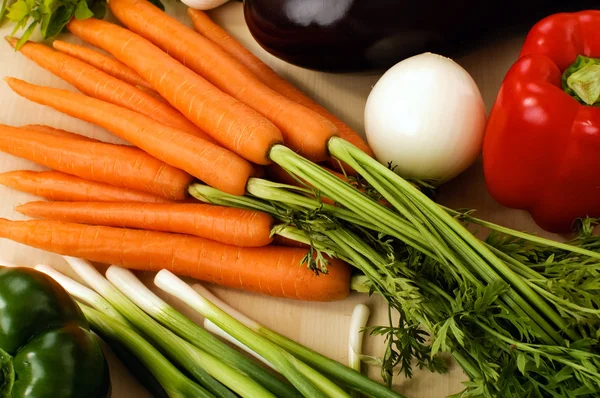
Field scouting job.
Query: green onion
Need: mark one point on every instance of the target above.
(82, 293)
(131, 287)
(285, 363)
(194, 334)
(174, 382)
(217, 331)
(360, 317)
(328, 366)
(186, 355)
(89, 297)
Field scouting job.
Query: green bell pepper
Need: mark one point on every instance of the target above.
(46, 347)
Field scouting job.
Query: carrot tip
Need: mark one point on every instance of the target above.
(11, 40)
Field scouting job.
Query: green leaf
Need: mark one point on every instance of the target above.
(27, 34)
(82, 11)
(61, 17)
(20, 24)
(440, 338)
(18, 11)
(490, 294)
(45, 23)
(458, 334)
(3, 10)
(522, 362)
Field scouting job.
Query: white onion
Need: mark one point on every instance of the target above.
(427, 117)
(359, 320)
(204, 4)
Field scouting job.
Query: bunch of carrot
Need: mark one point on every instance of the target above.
(198, 108)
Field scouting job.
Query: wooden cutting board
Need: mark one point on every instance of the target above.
(322, 327)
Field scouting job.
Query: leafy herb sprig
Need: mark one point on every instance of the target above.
(50, 15)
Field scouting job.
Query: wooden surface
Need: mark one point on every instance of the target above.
(322, 327)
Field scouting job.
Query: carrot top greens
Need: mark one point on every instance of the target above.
(518, 312)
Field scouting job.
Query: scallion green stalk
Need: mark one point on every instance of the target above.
(194, 334)
(358, 321)
(173, 381)
(86, 296)
(82, 293)
(185, 354)
(349, 376)
(134, 289)
(285, 363)
(217, 331)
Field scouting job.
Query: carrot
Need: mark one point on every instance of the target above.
(117, 165)
(233, 124)
(204, 160)
(238, 227)
(271, 270)
(58, 132)
(97, 84)
(54, 185)
(103, 62)
(303, 130)
(206, 27)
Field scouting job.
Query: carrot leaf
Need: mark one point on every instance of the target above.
(27, 34)
(3, 10)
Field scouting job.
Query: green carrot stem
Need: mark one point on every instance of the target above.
(212, 195)
(340, 191)
(534, 349)
(466, 237)
(277, 192)
(516, 265)
(523, 235)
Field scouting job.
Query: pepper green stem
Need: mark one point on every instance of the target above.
(582, 80)
(7, 374)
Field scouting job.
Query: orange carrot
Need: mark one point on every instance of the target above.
(205, 26)
(54, 185)
(117, 165)
(97, 84)
(303, 130)
(210, 163)
(238, 227)
(271, 270)
(103, 62)
(57, 132)
(233, 124)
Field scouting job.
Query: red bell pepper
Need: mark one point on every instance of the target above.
(541, 149)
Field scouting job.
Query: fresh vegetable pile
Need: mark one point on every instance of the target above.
(519, 313)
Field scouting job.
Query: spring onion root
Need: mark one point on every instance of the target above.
(360, 317)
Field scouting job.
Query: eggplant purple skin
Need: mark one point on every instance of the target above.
(373, 35)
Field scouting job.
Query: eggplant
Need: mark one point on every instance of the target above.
(373, 35)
